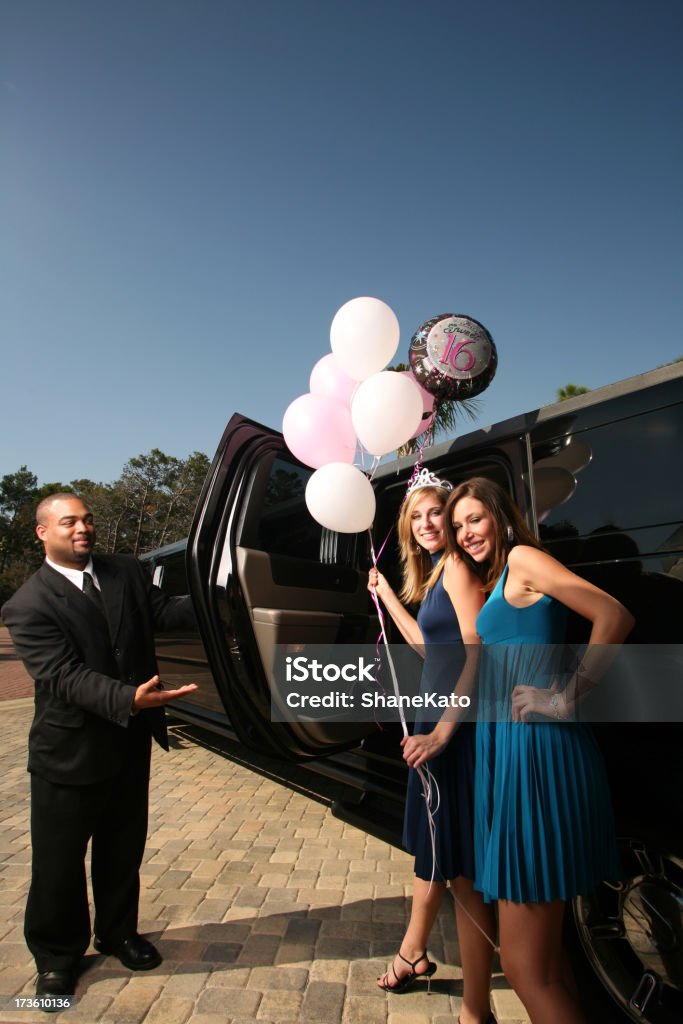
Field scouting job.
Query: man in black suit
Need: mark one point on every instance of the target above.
(84, 628)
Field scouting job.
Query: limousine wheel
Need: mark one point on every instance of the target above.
(631, 934)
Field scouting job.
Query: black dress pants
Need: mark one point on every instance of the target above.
(113, 813)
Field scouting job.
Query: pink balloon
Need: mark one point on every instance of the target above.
(319, 430)
(329, 380)
(427, 406)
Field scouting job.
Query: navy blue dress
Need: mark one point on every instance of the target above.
(453, 768)
(544, 828)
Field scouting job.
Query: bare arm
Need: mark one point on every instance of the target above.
(467, 597)
(405, 622)
(533, 572)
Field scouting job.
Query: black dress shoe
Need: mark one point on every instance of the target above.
(134, 952)
(52, 987)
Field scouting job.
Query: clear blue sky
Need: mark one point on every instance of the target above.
(191, 188)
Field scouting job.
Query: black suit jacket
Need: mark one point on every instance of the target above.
(86, 669)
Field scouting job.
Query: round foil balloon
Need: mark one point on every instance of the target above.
(453, 356)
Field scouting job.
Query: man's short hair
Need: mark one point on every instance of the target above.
(44, 505)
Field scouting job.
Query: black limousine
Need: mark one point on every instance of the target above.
(599, 480)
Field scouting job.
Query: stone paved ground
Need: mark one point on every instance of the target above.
(265, 906)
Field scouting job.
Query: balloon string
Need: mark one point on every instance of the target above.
(484, 933)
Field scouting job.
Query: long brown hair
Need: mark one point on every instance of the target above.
(510, 527)
(416, 563)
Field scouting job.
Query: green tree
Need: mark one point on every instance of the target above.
(20, 550)
(184, 487)
(142, 490)
(18, 493)
(571, 391)
(151, 504)
(156, 496)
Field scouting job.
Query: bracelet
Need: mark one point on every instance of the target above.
(555, 705)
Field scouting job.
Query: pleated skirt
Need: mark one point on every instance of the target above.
(543, 826)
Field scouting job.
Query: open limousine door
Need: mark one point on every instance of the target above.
(263, 573)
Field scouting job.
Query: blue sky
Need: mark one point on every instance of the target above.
(190, 189)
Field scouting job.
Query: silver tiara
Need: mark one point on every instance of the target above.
(427, 479)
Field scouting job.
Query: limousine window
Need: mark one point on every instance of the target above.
(621, 486)
(284, 525)
(171, 575)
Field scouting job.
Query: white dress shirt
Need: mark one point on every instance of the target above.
(76, 575)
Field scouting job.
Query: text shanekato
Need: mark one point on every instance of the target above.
(339, 699)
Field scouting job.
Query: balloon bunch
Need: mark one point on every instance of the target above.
(353, 399)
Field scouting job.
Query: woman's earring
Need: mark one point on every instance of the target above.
(510, 535)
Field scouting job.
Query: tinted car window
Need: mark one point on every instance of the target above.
(174, 575)
(282, 525)
(632, 480)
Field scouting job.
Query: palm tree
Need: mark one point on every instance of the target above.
(571, 391)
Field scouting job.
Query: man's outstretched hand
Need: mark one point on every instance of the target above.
(153, 695)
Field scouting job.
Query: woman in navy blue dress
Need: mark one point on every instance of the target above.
(543, 822)
(450, 597)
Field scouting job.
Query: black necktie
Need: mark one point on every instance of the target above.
(91, 591)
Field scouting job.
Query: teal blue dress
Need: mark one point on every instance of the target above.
(543, 825)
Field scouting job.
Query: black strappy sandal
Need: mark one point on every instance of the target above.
(404, 983)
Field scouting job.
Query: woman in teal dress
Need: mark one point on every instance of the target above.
(543, 819)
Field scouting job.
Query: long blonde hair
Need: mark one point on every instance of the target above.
(418, 573)
(510, 527)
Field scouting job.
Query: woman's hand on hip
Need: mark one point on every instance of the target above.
(531, 700)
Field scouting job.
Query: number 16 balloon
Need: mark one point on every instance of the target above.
(453, 356)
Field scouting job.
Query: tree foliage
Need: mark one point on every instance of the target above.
(18, 494)
(571, 391)
(151, 504)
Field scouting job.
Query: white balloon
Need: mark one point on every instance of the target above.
(364, 336)
(341, 498)
(386, 411)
